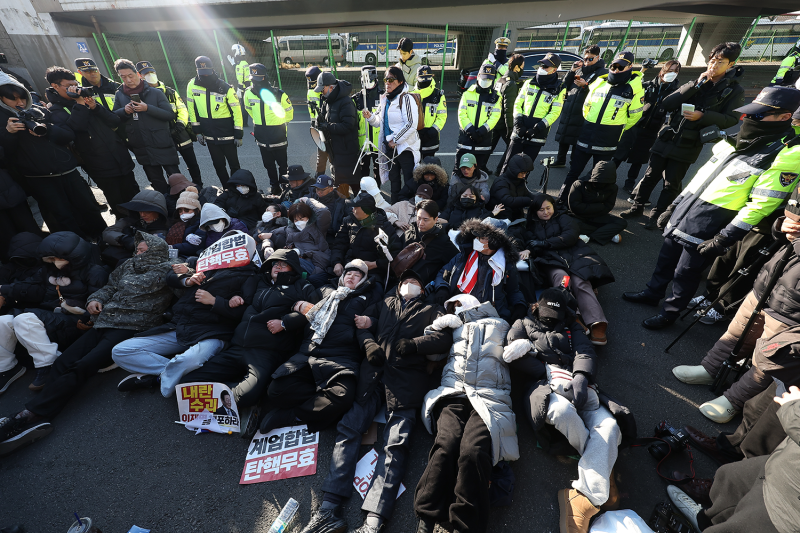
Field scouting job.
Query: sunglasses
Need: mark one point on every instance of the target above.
(389, 80)
(616, 68)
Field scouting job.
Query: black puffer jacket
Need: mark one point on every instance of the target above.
(511, 191)
(23, 261)
(83, 276)
(456, 214)
(38, 156)
(635, 144)
(246, 207)
(784, 300)
(339, 111)
(594, 195)
(354, 241)
(439, 249)
(293, 194)
(440, 183)
(11, 194)
(149, 137)
(569, 127)
(565, 250)
(338, 209)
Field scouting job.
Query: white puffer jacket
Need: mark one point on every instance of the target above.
(403, 123)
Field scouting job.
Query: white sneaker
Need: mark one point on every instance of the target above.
(687, 506)
(711, 317)
(720, 410)
(701, 300)
(108, 368)
(630, 201)
(584, 238)
(693, 375)
(616, 238)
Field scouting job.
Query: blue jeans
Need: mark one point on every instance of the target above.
(162, 355)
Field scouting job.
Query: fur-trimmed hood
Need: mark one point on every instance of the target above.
(440, 173)
(474, 228)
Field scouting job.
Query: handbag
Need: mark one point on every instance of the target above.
(409, 256)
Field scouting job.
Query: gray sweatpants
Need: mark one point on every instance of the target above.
(582, 290)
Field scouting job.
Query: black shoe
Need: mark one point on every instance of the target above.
(657, 322)
(629, 186)
(277, 418)
(556, 164)
(652, 221)
(326, 521)
(18, 432)
(40, 379)
(136, 382)
(249, 429)
(640, 298)
(634, 211)
(10, 376)
(366, 528)
(425, 526)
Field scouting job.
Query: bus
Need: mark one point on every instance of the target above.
(313, 49)
(771, 40)
(551, 36)
(369, 48)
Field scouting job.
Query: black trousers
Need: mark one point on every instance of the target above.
(422, 155)
(481, 157)
(455, 485)
(190, 158)
(563, 148)
(500, 132)
(68, 204)
(322, 162)
(155, 175)
(737, 500)
(247, 372)
(371, 160)
(684, 268)
(760, 431)
(401, 171)
(518, 146)
(70, 371)
(117, 190)
(671, 171)
(220, 154)
(602, 228)
(15, 220)
(320, 409)
(272, 157)
(577, 162)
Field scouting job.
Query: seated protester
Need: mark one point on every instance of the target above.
(265, 235)
(485, 267)
(394, 373)
(269, 333)
(241, 198)
(185, 235)
(468, 173)
(426, 230)
(549, 352)
(511, 190)
(356, 239)
(203, 320)
(552, 240)
(147, 212)
(177, 184)
(469, 205)
(20, 262)
(216, 222)
(308, 224)
(300, 183)
(324, 191)
(471, 418)
(429, 172)
(134, 300)
(590, 201)
(369, 184)
(405, 210)
(67, 272)
(318, 384)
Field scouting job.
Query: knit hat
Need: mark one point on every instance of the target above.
(188, 199)
(177, 183)
(425, 191)
(357, 264)
(365, 201)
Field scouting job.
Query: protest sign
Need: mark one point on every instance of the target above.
(365, 471)
(282, 453)
(194, 398)
(228, 252)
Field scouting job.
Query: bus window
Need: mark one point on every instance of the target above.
(283, 45)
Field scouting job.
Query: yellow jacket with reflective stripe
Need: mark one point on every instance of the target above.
(104, 94)
(789, 63)
(435, 108)
(176, 102)
(312, 97)
(270, 116)
(478, 109)
(214, 113)
(535, 104)
(373, 104)
(608, 111)
(243, 74)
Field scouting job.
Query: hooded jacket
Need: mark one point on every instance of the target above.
(355, 241)
(456, 214)
(311, 241)
(781, 486)
(22, 258)
(511, 191)
(439, 249)
(479, 179)
(339, 112)
(128, 226)
(148, 133)
(211, 212)
(594, 195)
(571, 120)
(246, 207)
(429, 165)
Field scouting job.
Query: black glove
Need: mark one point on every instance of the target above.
(538, 244)
(406, 347)
(518, 312)
(471, 132)
(580, 390)
(375, 354)
(442, 295)
(324, 127)
(539, 130)
(715, 246)
(126, 241)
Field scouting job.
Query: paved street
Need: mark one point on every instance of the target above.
(121, 459)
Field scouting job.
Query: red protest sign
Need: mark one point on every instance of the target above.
(228, 252)
(282, 453)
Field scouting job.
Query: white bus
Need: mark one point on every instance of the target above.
(369, 48)
(313, 49)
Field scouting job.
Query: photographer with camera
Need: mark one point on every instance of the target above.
(103, 155)
(38, 149)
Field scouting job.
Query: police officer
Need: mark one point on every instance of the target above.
(478, 113)
(435, 107)
(789, 71)
(181, 132)
(614, 104)
(271, 111)
(748, 177)
(312, 97)
(216, 117)
(368, 98)
(508, 88)
(89, 76)
(499, 58)
(537, 107)
(242, 72)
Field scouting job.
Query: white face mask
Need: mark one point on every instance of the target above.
(477, 245)
(300, 224)
(187, 216)
(670, 76)
(244, 189)
(266, 217)
(411, 290)
(151, 78)
(541, 71)
(218, 227)
(485, 83)
(60, 263)
(418, 199)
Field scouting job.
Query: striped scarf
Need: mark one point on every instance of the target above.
(469, 277)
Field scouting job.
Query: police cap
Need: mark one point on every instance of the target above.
(85, 63)
(502, 42)
(144, 67)
(258, 72)
(204, 66)
(487, 71)
(551, 60)
(424, 73)
(624, 59)
(312, 73)
(772, 99)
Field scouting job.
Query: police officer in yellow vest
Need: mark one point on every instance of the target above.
(215, 116)
(435, 106)
(89, 76)
(312, 98)
(499, 58)
(478, 113)
(271, 112)
(181, 132)
(242, 72)
(789, 71)
(369, 97)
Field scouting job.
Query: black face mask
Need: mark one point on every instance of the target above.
(619, 78)
(283, 278)
(547, 80)
(591, 67)
(548, 322)
(467, 202)
(500, 55)
(424, 84)
(753, 129)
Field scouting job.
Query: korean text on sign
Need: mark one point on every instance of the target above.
(281, 454)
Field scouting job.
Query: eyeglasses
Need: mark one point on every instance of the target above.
(389, 80)
(281, 264)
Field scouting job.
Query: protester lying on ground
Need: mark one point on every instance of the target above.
(590, 201)
(241, 198)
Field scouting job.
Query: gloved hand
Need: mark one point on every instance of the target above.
(126, 241)
(238, 142)
(324, 127)
(471, 131)
(539, 130)
(518, 312)
(375, 354)
(442, 295)
(516, 349)
(580, 390)
(544, 245)
(664, 217)
(193, 239)
(201, 139)
(714, 247)
(406, 347)
(447, 321)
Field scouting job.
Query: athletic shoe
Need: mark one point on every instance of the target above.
(136, 382)
(720, 410)
(616, 239)
(631, 201)
(18, 432)
(366, 528)
(700, 302)
(248, 430)
(693, 375)
(584, 238)
(40, 379)
(711, 317)
(326, 521)
(10, 376)
(108, 368)
(687, 506)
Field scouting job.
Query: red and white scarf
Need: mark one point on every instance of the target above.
(469, 277)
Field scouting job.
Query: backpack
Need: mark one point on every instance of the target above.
(420, 109)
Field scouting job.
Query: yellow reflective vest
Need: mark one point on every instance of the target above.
(271, 111)
(608, 111)
(214, 113)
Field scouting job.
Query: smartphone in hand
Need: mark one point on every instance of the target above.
(136, 98)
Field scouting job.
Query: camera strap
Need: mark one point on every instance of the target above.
(644, 441)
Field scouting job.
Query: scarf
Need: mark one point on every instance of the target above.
(752, 130)
(469, 277)
(136, 90)
(368, 222)
(322, 315)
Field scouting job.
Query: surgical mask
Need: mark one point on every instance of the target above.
(541, 71)
(410, 289)
(418, 199)
(218, 227)
(151, 78)
(60, 263)
(266, 217)
(300, 224)
(485, 83)
(187, 217)
(669, 77)
(243, 189)
(477, 245)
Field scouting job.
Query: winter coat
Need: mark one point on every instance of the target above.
(409, 69)
(404, 211)
(214, 212)
(566, 250)
(103, 153)
(137, 294)
(405, 378)
(355, 241)
(278, 239)
(273, 301)
(504, 296)
(456, 214)
(148, 133)
(339, 111)
(11, 194)
(781, 487)
(311, 240)
(784, 301)
(23, 259)
(187, 249)
(479, 180)
(569, 127)
(39, 291)
(439, 184)
(246, 207)
(402, 115)
(193, 321)
(475, 369)
(594, 195)
(680, 139)
(439, 249)
(128, 226)
(511, 191)
(337, 206)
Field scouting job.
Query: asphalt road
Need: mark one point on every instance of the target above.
(121, 459)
